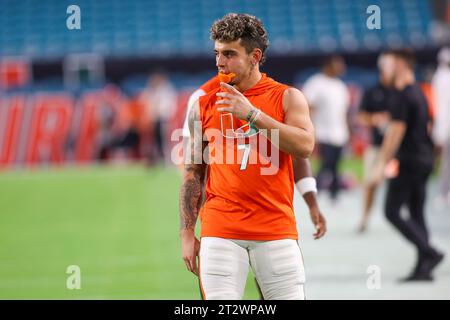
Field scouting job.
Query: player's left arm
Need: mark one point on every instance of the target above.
(296, 134)
(306, 184)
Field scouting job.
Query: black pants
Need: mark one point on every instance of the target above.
(327, 177)
(409, 188)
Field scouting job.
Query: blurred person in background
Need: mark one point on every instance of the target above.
(441, 130)
(131, 125)
(105, 126)
(408, 140)
(374, 113)
(329, 100)
(109, 125)
(161, 101)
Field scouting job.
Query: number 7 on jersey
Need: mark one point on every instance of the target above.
(246, 148)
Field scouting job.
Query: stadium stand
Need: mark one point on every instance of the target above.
(171, 27)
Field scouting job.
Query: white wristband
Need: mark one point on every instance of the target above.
(306, 185)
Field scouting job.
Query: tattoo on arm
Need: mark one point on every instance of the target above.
(194, 174)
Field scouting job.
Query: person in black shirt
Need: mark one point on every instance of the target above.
(408, 140)
(374, 114)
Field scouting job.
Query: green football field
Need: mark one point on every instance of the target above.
(119, 225)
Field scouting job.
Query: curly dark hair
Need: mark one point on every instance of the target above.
(249, 29)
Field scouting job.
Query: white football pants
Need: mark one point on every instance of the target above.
(277, 266)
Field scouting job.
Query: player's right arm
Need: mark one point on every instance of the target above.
(191, 190)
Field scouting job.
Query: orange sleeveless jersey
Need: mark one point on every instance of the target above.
(244, 204)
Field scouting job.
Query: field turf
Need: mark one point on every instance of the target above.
(119, 225)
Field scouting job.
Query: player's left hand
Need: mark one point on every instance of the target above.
(319, 222)
(233, 101)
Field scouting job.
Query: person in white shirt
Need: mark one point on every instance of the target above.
(329, 100)
(441, 129)
(161, 100)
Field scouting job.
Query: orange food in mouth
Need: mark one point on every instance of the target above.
(226, 77)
